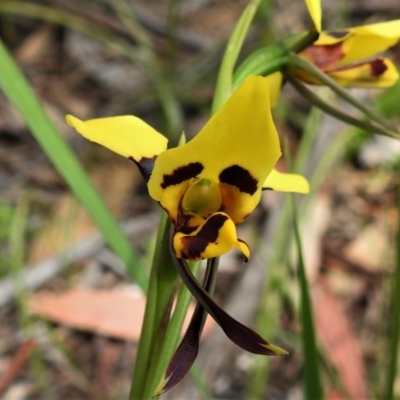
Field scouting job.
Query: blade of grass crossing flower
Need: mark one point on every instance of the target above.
(161, 288)
(395, 316)
(19, 92)
(270, 306)
(271, 297)
(224, 86)
(312, 380)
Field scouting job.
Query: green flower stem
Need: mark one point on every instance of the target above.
(395, 319)
(299, 42)
(165, 349)
(271, 297)
(272, 58)
(224, 85)
(296, 61)
(159, 297)
(264, 61)
(313, 387)
(19, 92)
(315, 100)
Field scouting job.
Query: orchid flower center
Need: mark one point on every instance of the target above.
(202, 197)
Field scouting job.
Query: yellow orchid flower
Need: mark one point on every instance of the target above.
(213, 182)
(207, 187)
(350, 55)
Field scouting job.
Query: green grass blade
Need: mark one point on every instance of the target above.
(395, 320)
(312, 380)
(225, 76)
(161, 288)
(20, 94)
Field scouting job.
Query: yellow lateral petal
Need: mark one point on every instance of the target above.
(378, 73)
(284, 182)
(239, 144)
(314, 9)
(212, 239)
(370, 40)
(126, 135)
(329, 38)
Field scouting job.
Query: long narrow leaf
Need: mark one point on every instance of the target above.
(395, 320)
(225, 76)
(161, 289)
(312, 380)
(20, 94)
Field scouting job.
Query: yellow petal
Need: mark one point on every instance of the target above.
(212, 239)
(126, 135)
(328, 38)
(378, 73)
(362, 42)
(284, 182)
(238, 146)
(314, 9)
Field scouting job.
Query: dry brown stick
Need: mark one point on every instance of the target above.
(37, 275)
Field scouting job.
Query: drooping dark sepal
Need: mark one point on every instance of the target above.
(145, 166)
(238, 333)
(186, 353)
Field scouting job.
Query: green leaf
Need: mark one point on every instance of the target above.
(225, 77)
(158, 306)
(312, 380)
(395, 319)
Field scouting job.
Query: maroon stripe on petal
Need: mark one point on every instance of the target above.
(182, 174)
(239, 177)
(193, 246)
(378, 67)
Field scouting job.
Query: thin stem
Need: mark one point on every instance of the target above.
(395, 319)
(335, 112)
(296, 61)
(161, 287)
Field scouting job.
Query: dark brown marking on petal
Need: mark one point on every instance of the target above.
(324, 55)
(145, 165)
(378, 67)
(193, 246)
(239, 177)
(182, 174)
(338, 34)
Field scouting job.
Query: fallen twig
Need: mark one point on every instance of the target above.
(37, 275)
